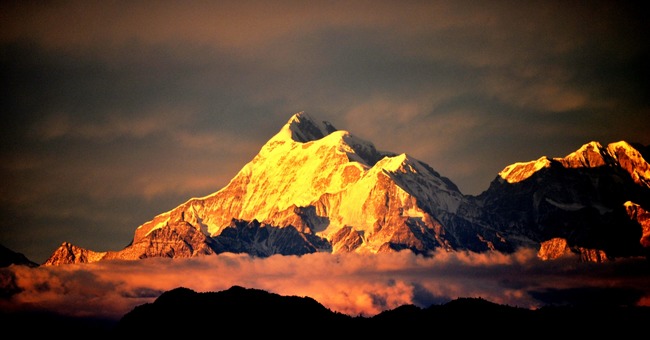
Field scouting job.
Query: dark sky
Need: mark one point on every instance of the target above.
(116, 111)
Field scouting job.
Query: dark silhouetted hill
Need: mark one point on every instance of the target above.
(9, 257)
(251, 313)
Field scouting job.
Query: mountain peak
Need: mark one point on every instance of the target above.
(589, 155)
(69, 253)
(631, 159)
(301, 127)
(520, 171)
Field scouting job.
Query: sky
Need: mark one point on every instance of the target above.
(116, 111)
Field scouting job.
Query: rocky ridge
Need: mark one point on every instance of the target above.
(589, 202)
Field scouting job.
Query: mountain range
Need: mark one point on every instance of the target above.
(181, 311)
(293, 317)
(314, 188)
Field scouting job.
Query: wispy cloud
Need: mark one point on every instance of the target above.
(109, 126)
(348, 283)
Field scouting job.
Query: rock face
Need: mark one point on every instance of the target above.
(265, 240)
(559, 247)
(69, 253)
(642, 217)
(315, 188)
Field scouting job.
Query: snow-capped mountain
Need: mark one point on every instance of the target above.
(314, 188)
(589, 202)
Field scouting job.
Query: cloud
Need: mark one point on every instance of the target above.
(229, 23)
(176, 133)
(109, 126)
(349, 283)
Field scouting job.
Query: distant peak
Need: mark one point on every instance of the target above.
(593, 154)
(623, 145)
(518, 172)
(304, 128)
(592, 147)
(631, 159)
(589, 155)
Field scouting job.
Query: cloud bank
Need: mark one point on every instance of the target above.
(349, 283)
(116, 111)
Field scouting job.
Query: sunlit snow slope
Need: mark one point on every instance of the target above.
(326, 181)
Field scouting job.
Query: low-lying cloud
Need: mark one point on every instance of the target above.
(348, 283)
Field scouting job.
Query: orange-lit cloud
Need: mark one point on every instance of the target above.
(229, 24)
(348, 283)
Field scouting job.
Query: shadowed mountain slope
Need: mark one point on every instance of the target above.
(9, 257)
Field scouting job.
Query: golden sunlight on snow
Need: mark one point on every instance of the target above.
(518, 172)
